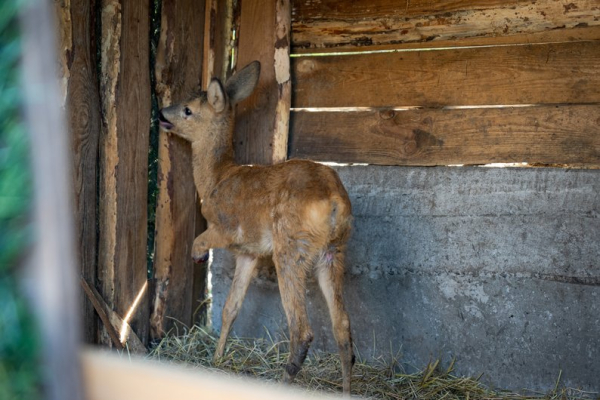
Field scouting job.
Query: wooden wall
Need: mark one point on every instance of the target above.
(179, 72)
(448, 82)
(262, 120)
(105, 69)
(78, 60)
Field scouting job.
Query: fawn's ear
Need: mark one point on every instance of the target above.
(216, 95)
(241, 85)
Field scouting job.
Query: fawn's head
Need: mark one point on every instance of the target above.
(193, 118)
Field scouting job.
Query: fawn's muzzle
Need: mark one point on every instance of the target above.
(164, 123)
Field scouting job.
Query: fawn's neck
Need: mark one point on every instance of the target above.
(212, 159)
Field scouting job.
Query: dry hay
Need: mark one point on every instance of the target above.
(264, 359)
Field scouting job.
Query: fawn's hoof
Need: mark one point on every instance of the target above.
(200, 259)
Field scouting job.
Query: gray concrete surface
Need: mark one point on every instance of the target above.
(498, 268)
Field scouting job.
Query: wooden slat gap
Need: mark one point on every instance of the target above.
(425, 108)
(553, 36)
(394, 49)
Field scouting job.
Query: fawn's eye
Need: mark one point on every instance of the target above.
(187, 111)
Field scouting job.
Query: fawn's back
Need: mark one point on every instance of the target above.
(296, 199)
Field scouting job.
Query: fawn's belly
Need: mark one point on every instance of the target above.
(255, 243)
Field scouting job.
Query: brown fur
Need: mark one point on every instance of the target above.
(298, 212)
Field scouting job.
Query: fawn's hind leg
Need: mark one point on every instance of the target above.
(244, 270)
(330, 273)
(291, 266)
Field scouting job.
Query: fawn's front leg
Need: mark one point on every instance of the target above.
(209, 239)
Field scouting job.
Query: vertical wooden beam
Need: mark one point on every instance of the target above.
(50, 273)
(283, 22)
(262, 119)
(77, 55)
(216, 40)
(217, 49)
(125, 87)
(178, 74)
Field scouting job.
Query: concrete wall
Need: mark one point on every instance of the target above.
(498, 268)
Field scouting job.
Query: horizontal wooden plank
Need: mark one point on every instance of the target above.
(543, 134)
(357, 10)
(577, 34)
(526, 74)
(328, 23)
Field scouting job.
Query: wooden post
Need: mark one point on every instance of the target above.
(125, 87)
(178, 74)
(50, 272)
(217, 40)
(283, 22)
(77, 55)
(262, 119)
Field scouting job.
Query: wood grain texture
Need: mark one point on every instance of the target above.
(577, 34)
(217, 39)
(544, 134)
(283, 78)
(328, 23)
(125, 82)
(349, 9)
(82, 101)
(253, 138)
(527, 74)
(178, 75)
(199, 294)
(103, 312)
(119, 330)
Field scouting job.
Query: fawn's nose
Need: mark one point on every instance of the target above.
(164, 122)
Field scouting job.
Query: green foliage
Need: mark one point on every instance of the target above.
(19, 346)
(14, 174)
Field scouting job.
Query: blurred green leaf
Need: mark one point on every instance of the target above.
(19, 345)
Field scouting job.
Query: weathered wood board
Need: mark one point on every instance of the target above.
(577, 34)
(340, 24)
(545, 134)
(504, 75)
(217, 41)
(125, 88)
(262, 119)
(178, 74)
(77, 54)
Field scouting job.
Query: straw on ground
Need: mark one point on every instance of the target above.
(378, 379)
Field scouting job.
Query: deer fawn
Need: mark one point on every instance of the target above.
(298, 212)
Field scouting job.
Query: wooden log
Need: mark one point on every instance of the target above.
(527, 74)
(545, 134)
(77, 54)
(178, 74)
(328, 23)
(49, 272)
(125, 88)
(260, 133)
